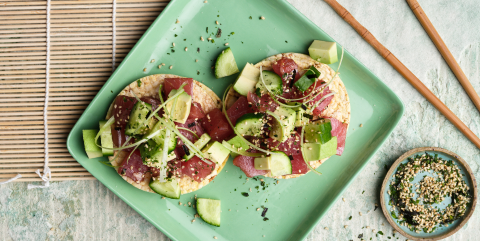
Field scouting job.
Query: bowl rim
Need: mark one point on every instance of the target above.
(394, 167)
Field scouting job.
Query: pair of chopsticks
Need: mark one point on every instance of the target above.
(408, 75)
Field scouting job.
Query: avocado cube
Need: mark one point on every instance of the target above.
(136, 123)
(287, 118)
(262, 163)
(238, 143)
(318, 132)
(200, 143)
(323, 52)
(91, 148)
(318, 151)
(182, 107)
(247, 79)
(301, 120)
(216, 152)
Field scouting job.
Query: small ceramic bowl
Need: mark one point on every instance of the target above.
(443, 231)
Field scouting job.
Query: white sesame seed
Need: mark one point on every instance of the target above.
(262, 17)
(171, 67)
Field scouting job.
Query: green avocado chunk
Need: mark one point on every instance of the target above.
(318, 151)
(288, 118)
(216, 152)
(323, 52)
(182, 106)
(247, 80)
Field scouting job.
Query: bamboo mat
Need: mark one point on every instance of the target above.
(81, 60)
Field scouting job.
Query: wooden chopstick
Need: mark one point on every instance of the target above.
(404, 71)
(442, 48)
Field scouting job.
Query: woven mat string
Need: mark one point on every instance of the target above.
(47, 174)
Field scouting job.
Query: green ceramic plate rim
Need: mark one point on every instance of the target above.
(288, 5)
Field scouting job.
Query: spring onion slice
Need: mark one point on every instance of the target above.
(320, 101)
(186, 129)
(271, 93)
(240, 152)
(104, 128)
(224, 110)
(324, 86)
(303, 154)
(163, 164)
(277, 118)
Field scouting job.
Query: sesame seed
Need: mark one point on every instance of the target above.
(216, 22)
(159, 66)
(163, 197)
(186, 49)
(215, 237)
(360, 213)
(171, 67)
(205, 1)
(209, 39)
(153, 60)
(326, 228)
(201, 38)
(226, 44)
(361, 125)
(173, 44)
(258, 209)
(196, 60)
(345, 226)
(343, 199)
(163, 64)
(145, 70)
(178, 21)
(262, 18)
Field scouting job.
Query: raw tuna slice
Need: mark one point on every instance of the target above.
(239, 108)
(339, 130)
(122, 107)
(155, 171)
(284, 66)
(179, 151)
(216, 125)
(192, 125)
(197, 169)
(247, 165)
(196, 111)
(119, 138)
(261, 104)
(291, 146)
(298, 164)
(317, 111)
(175, 83)
(133, 167)
(175, 168)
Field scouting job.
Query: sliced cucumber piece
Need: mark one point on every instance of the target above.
(170, 189)
(106, 139)
(250, 124)
(91, 149)
(247, 80)
(152, 154)
(272, 81)
(139, 114)
(225, 64)
(159, 139)
(280, 164)
(209, 210)
(200, 143)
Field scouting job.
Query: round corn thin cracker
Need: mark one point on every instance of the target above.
(338, 108)
(148, 86)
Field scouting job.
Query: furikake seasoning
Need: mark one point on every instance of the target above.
(415, 209)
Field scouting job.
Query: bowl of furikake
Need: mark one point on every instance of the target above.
(428, 193)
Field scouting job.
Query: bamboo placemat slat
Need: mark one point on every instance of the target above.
(81, 55)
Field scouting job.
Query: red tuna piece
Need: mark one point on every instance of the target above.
(175, 83)
(262, 104)
(217, 125)
(284, 66)
(298, 164)
(196, 111)
(239, 108)
(119, 138)
(133, 167)
(318, 110)
(247, 165)
(339, 130)
(197, 169)
(290, 147)
(192, 125)
(122, 107)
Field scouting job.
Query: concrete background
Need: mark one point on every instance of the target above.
(86, 210)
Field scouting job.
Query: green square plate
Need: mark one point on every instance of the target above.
(294, 206)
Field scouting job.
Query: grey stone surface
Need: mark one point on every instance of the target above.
(86, 210)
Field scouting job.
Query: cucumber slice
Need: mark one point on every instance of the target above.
(272, 81)
(225, 64)
(250, 124)
(170, 189)
(139, 114)
(209, 210)
(280, 164)
(91, 149)
(106, 139)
